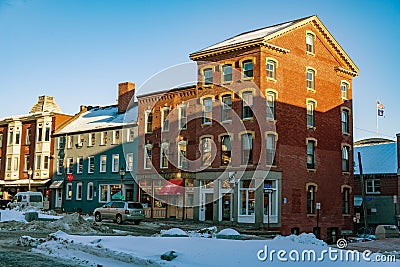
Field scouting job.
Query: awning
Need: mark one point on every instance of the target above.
(24, 182)
(172, 187)
(56, 184)
(357, 201)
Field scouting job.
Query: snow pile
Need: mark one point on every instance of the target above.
(229, 233)
(27, 241)
(304, 238)
(174, 232)
(208, 232)
(12, 215)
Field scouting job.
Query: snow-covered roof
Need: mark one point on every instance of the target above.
(101, 118)
(377, 159)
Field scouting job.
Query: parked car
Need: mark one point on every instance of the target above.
(24, 199)
(120, 211)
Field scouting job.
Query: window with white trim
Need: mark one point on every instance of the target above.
(79, 164)
(207, 110)
(115, 163)
(79, 191)
(148, 124)
(165, 119)
(129, 162)
(81, 138)
(373, 186)
(271, 149)
(227, 73)
(47, 134)
(270, 97)
(92, 139)
(90, 191)
(247, 198)
(16, 163)
(27, 162)
(310, 113)
(17, 137)
(116, 137)
(103, 140)
(271, 69)
(182, 154)
(208, 76)
(69, 141)
(206, 146)
(147, 156)
(131, 135)
(311, 194)
(1, 140)
(247, 69)
(345, 121)
(226, 150)
(60, 166)
(69, 192)
(247, 148)
(247, 105)
(310, 79)
(27, 136)
(310, 154)
(40, 133)
(70, 165)
(345, 90)
(46, 161)
(182, 117)
(91, 164)
(164, 156)
(310, 39)
(103, 163)
(226, 108)
(345, 159)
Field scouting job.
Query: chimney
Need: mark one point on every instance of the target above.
(126, 93)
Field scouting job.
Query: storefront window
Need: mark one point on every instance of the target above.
(247, 198)
(270, 197)
(103, 193)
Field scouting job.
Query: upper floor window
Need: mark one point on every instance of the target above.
(311, 192)
(1, 140)
(226, 150)
(103, 140)
(310, 77)
(92, 139)
(310, 113)
(164, 156)
(115, 163)
(310, 39)
(345, 90)
(60, 166)
(148, 122)
(17, 137)
(70, 164)
(247, 105)
(165, 119)
(79, 165)
(207, 110)
(27, 162)
(27, 136)
(271, 96)
(69, 141)
(182, 117)
(271, 149)
(131, 135)
(69, 191)
(247, 67)
(182, 154)
(373, 186)
(91, 164)
(345, 159)
(206, 146)
(226, 108)
(310, 154)
(80, 140)
(11, 136)
(40, 133)
(346, 201)
(116, 137)
(147, 156)
(90, 191)
(247, 148)
(103, 163)
(208, 76)
(345, 121)
(47, 134)
(271, 69)
(79, 191)
(226, 73)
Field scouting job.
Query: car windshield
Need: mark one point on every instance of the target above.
(135, 206)
(36, 198)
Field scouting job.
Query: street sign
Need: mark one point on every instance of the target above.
(318, 206)
(70, 177)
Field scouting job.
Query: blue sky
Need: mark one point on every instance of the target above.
(78, 51)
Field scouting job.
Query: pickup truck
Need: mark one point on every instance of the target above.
(3, 203)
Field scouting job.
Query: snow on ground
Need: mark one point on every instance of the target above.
(19, 215)
(197, 252)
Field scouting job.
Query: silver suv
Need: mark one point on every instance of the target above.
(120, 211)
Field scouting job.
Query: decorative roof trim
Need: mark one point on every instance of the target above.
(345, 71)
(275, 47)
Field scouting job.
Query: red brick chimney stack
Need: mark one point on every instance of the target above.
(126, 92)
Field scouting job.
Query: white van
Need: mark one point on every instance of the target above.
(26, 199)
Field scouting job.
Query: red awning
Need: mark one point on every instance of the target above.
(172, 187)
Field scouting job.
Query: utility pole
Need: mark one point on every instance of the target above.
(364, 204)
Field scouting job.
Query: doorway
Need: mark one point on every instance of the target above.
(227, 207)
(209, 206)
(59, 197)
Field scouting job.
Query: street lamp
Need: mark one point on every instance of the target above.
(29, 178)
(122, 173)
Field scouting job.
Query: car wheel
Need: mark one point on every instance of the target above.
(137, 222)
(97, 217)
(119, 219)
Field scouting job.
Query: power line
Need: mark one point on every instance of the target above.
(365, 130)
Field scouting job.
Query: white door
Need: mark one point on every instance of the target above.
(59, 193)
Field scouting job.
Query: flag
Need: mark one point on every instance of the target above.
(380, 108)
(380, 112)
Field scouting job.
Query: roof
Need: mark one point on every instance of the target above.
(100, 118)
(374, 140)
(182, 87)
(377, 159)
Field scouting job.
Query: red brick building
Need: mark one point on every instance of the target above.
(272, 130)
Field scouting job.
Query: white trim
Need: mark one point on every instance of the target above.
(90, 158)
(77, 191)
(69, 186)
(129, 156)
(105, 164)
(113, 159)
(90, 184)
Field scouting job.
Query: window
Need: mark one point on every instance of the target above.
(69, 192)
(116, 137)
(60, 143)
(148, 122)
(70, 164)
(226, 73)
(270, 97)
(92, 139)
(129, 162)
(310, 113)
(164, 156)
(27, 136)
(46, 162)
(208, 76)
(90, 191)
(345, 159)
(311, 199)
(103, 193)
(271, 149)
(103, 163)
(91, 164)
(373, 186)
(1, 140)
(247, 198)
(40, 134)
(247, 149)
(182, 117)
(310, 43)
(27, 162)
(11, 136)
(226, 150)
(247, 105)
(226, 108)
(206, 146)
(17, 137)
(60, 166)
(69, 141)
(346, 201)
(270, 198)
(115, 163)
(47, 134)
(103, 138)
(182, 154)
(310, 154)
(345, 121)
(271, 69)
(207, 110)
(147, 156)
(165, 119)
(79, 165)
(310, 76)
(16, 163)
(9, 161)
(79, 191)
(247, 68)
(345, 90)
(131, 135)
(80, 140)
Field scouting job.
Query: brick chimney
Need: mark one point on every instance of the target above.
(126, 93)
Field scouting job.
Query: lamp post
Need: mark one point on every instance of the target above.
(122, 173)
(29, 178)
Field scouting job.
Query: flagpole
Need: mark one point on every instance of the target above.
(377, 129)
